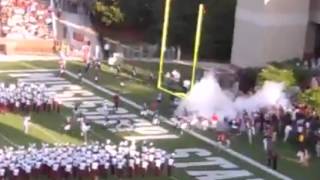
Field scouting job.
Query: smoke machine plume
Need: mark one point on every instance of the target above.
(207, 98)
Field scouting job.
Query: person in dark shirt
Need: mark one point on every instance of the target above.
(116, 101)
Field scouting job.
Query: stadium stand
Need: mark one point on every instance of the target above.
(26, 22)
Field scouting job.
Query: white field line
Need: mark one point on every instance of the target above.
(196, 135)
(8, 140)
(28, 70)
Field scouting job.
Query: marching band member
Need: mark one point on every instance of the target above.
(131, 167)
(95, 170)
(2, 173)
(144, 169)
(137, 166)
(158, 166)
(170, 165)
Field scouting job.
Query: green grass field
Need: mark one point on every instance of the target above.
(48, 127)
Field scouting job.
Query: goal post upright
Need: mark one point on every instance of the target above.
(164, 41)
(164, 38)
(197, 43)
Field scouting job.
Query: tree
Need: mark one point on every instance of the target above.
(138, 13)
(311, 97)
(272, 73)
(217, 34)
(108, 12)
(147, 16)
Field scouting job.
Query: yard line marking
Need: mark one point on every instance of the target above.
(194, 134)
(35, 74)
(8, 140)
(28, 70)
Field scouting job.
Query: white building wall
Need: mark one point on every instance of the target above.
(269, 30)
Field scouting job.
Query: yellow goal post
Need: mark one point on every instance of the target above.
(164, 46)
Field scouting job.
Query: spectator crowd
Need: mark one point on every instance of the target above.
(27, 19)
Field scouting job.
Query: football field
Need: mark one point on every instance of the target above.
(197, 156)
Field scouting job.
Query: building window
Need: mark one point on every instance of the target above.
(78, 37)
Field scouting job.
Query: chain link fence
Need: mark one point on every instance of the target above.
(137, 52)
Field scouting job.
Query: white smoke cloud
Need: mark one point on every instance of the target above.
(207, 98)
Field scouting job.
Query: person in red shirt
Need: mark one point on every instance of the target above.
(154, 106)
(86, 55)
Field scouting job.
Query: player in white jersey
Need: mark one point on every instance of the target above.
(287, 130)
(155, 119)
(144, 110)
(106, 113)
(85, 127)
(96, 77)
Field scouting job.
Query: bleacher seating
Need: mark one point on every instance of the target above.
(26, 27)
(27, 19)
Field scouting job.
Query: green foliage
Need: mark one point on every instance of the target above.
(147, 15)
(108, 12)
(217, 31)
(301, 74)
(311, 97)
(273, 73)
(139, 13)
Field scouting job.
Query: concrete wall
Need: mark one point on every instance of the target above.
(310, 38)
(267, 31)
(315, 11)
(27, 46)
(71, 23)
